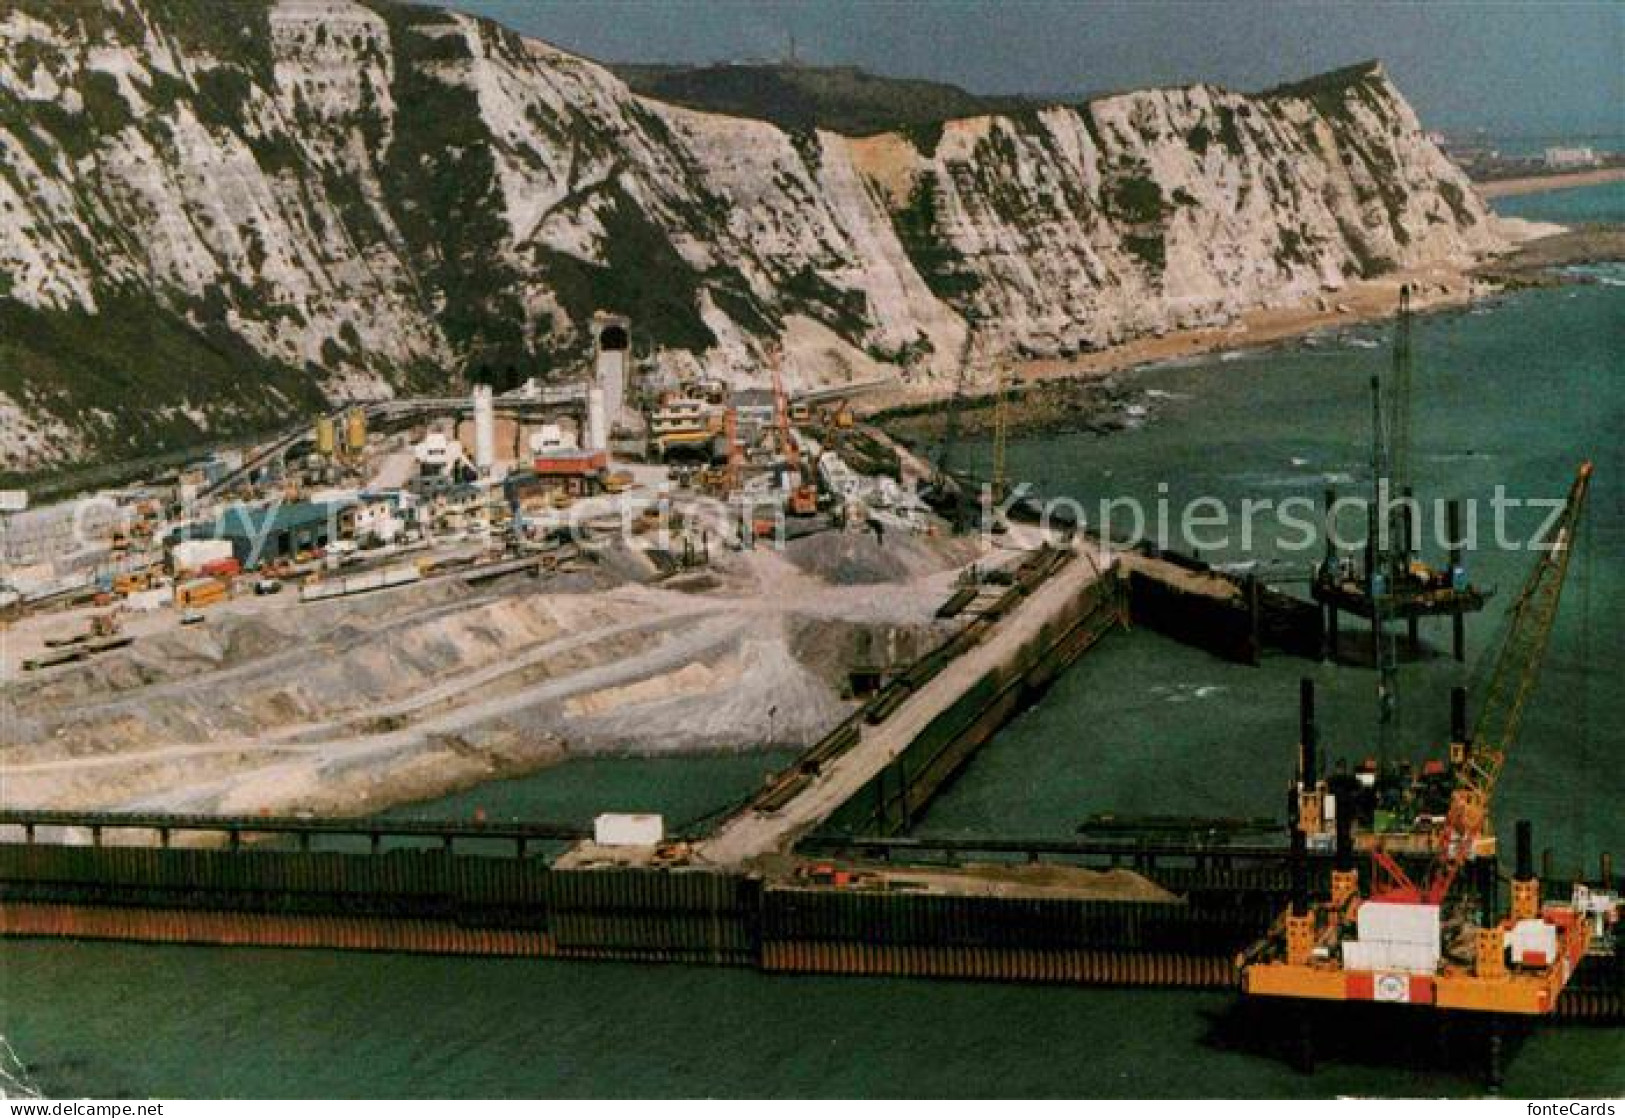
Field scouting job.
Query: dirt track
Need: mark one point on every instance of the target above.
(349, 706)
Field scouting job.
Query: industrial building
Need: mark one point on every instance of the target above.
(578, 473)
(755, 408)
(272, 533)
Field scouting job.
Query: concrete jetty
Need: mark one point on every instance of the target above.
(1014, 640)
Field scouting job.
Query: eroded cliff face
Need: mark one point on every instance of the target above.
(211, 224)
(1069, 229)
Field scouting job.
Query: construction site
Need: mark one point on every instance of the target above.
(215, 682)
(464, 584)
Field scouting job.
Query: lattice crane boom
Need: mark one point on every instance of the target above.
(950, 424)
(781, 411)
(1001, 424)
(1399, 399)
(1511, 684)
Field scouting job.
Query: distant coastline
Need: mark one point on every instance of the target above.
(1536, 184)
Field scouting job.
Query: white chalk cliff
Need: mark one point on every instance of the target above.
(212, 222)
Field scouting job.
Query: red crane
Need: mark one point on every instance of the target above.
(1512, 682)
(803, 496)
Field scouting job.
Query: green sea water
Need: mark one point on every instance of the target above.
(1517, 395)
(685, 790)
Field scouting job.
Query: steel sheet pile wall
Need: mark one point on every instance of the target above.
(400, 883)
(889, 803)
(1290, 624)
(432, 901)
(1024, 939)
(422, 900)
(1235, 628)
(1597, 990)
(267, 929)
(656, 915)
(1221, 626)
(411, 900)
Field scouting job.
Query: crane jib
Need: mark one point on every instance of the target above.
(1516, 672)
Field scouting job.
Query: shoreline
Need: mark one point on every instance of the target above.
(1363, 302)
(1541, 184)
(1360, 303)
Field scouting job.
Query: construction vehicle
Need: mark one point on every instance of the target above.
(710, 479)
(1414, 939)
(134, 582)
(803, 498)
(200, 592)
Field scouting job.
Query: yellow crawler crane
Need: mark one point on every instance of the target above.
(1404, 942)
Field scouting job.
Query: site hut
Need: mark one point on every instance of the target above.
(756, 409)
(684, 428)
(573, 472)
(272, 533)
(451, 505)
(378, 518)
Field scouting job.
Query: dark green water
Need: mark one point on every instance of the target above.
(167, 1021)
(683, 789)
(1517, 395)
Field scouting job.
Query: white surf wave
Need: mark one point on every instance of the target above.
(1185, 692)
(14, 1081)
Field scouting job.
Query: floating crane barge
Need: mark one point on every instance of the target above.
(1415, 938)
